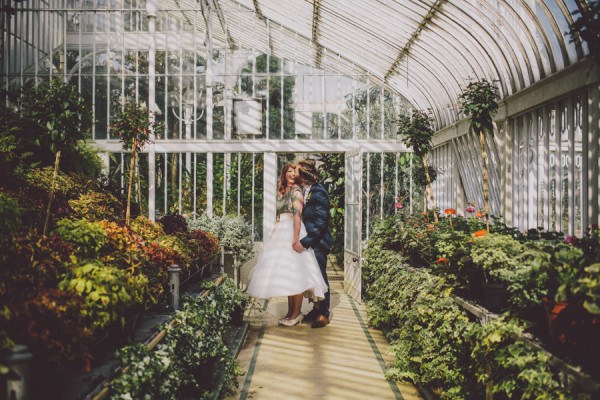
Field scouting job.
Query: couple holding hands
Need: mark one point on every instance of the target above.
(294, 259)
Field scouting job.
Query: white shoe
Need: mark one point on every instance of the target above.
(292, 322)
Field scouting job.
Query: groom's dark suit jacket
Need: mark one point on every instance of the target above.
(315, 216)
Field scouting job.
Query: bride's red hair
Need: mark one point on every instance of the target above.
(282, 178)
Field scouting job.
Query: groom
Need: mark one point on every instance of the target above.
(315, 216)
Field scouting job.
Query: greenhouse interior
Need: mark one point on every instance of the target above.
(172, 170)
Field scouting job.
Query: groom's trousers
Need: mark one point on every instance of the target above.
(322, 261)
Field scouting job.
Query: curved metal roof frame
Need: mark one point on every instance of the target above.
(425, 50)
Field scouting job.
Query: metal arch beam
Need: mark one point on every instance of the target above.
(543, 35)
(486, 50)
(569, 17)
(404, 51)
(258, 12)
(317, 48)
(426, 89)
(516, 75)
(519, 42)
(557, 33)
(222, 21)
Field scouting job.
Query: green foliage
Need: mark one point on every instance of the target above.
(59, 114)
(590, 288)
(416, 132)
(107, 291)
(180, 247)
(204, 247)
(495, 255)
(29, 263)
(173, 223)
(148, 230)
(53, 326)
(431, 335)
(86, 237)
(184, 364)
(10, 215)
(333, 178)
(97, 206)
(234, 233)
(479, 101)
(515, 370)
(133, 125)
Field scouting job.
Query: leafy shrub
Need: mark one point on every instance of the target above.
(148, 230)
(97, 206)
(183, 364)
(107, 291)
(514, 370)
(155, 263)
(204, 246)
(180, 249)
(173, 223)
(30, 263)
(496, 256)
(234, 233)
(121, 246)
(66, 186)
(10, 214)
(53, 326)
(86, 237)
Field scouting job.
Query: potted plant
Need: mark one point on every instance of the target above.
(479, 100)
(134, 125)
(416, 131)
(496, 256)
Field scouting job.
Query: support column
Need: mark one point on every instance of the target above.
(151, 11)
(270, 193)
(593, 155)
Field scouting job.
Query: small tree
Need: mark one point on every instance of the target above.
(479, 100)
(61, 119)
(416, 132)
(133, 124)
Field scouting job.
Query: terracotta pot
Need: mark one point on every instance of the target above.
(553, 309)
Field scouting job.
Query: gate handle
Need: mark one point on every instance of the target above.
(354, 259)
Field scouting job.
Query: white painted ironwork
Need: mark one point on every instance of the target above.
(353, 224)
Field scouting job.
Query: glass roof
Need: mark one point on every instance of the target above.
(425, 50)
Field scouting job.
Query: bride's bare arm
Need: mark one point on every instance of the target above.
(297, 206)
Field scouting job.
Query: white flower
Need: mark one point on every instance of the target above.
(126, 396)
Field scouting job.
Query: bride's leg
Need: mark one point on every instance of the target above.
(296, 305)
(290, 307)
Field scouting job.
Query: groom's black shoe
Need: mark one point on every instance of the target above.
(312, 315)
(320, 322)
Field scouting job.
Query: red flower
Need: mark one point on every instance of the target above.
(442, 260)
(450, 211)
(479, 214)
(479, 233)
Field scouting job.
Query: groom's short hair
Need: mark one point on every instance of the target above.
(308, 172)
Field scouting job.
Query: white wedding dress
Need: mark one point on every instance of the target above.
(280, 270)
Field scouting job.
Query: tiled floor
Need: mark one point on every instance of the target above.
(343, 360)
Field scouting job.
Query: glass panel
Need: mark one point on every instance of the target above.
(565, 161)
(554, 170)
(543, 206)
(578, 150)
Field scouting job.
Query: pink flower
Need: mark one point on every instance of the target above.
(470, 209)
(399, 205)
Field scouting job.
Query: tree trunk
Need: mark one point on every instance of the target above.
(131, 170)
(435, 217)
(52, 190)
(139, 182)
(486, 190)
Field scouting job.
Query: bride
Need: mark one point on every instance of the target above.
(281, 271)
